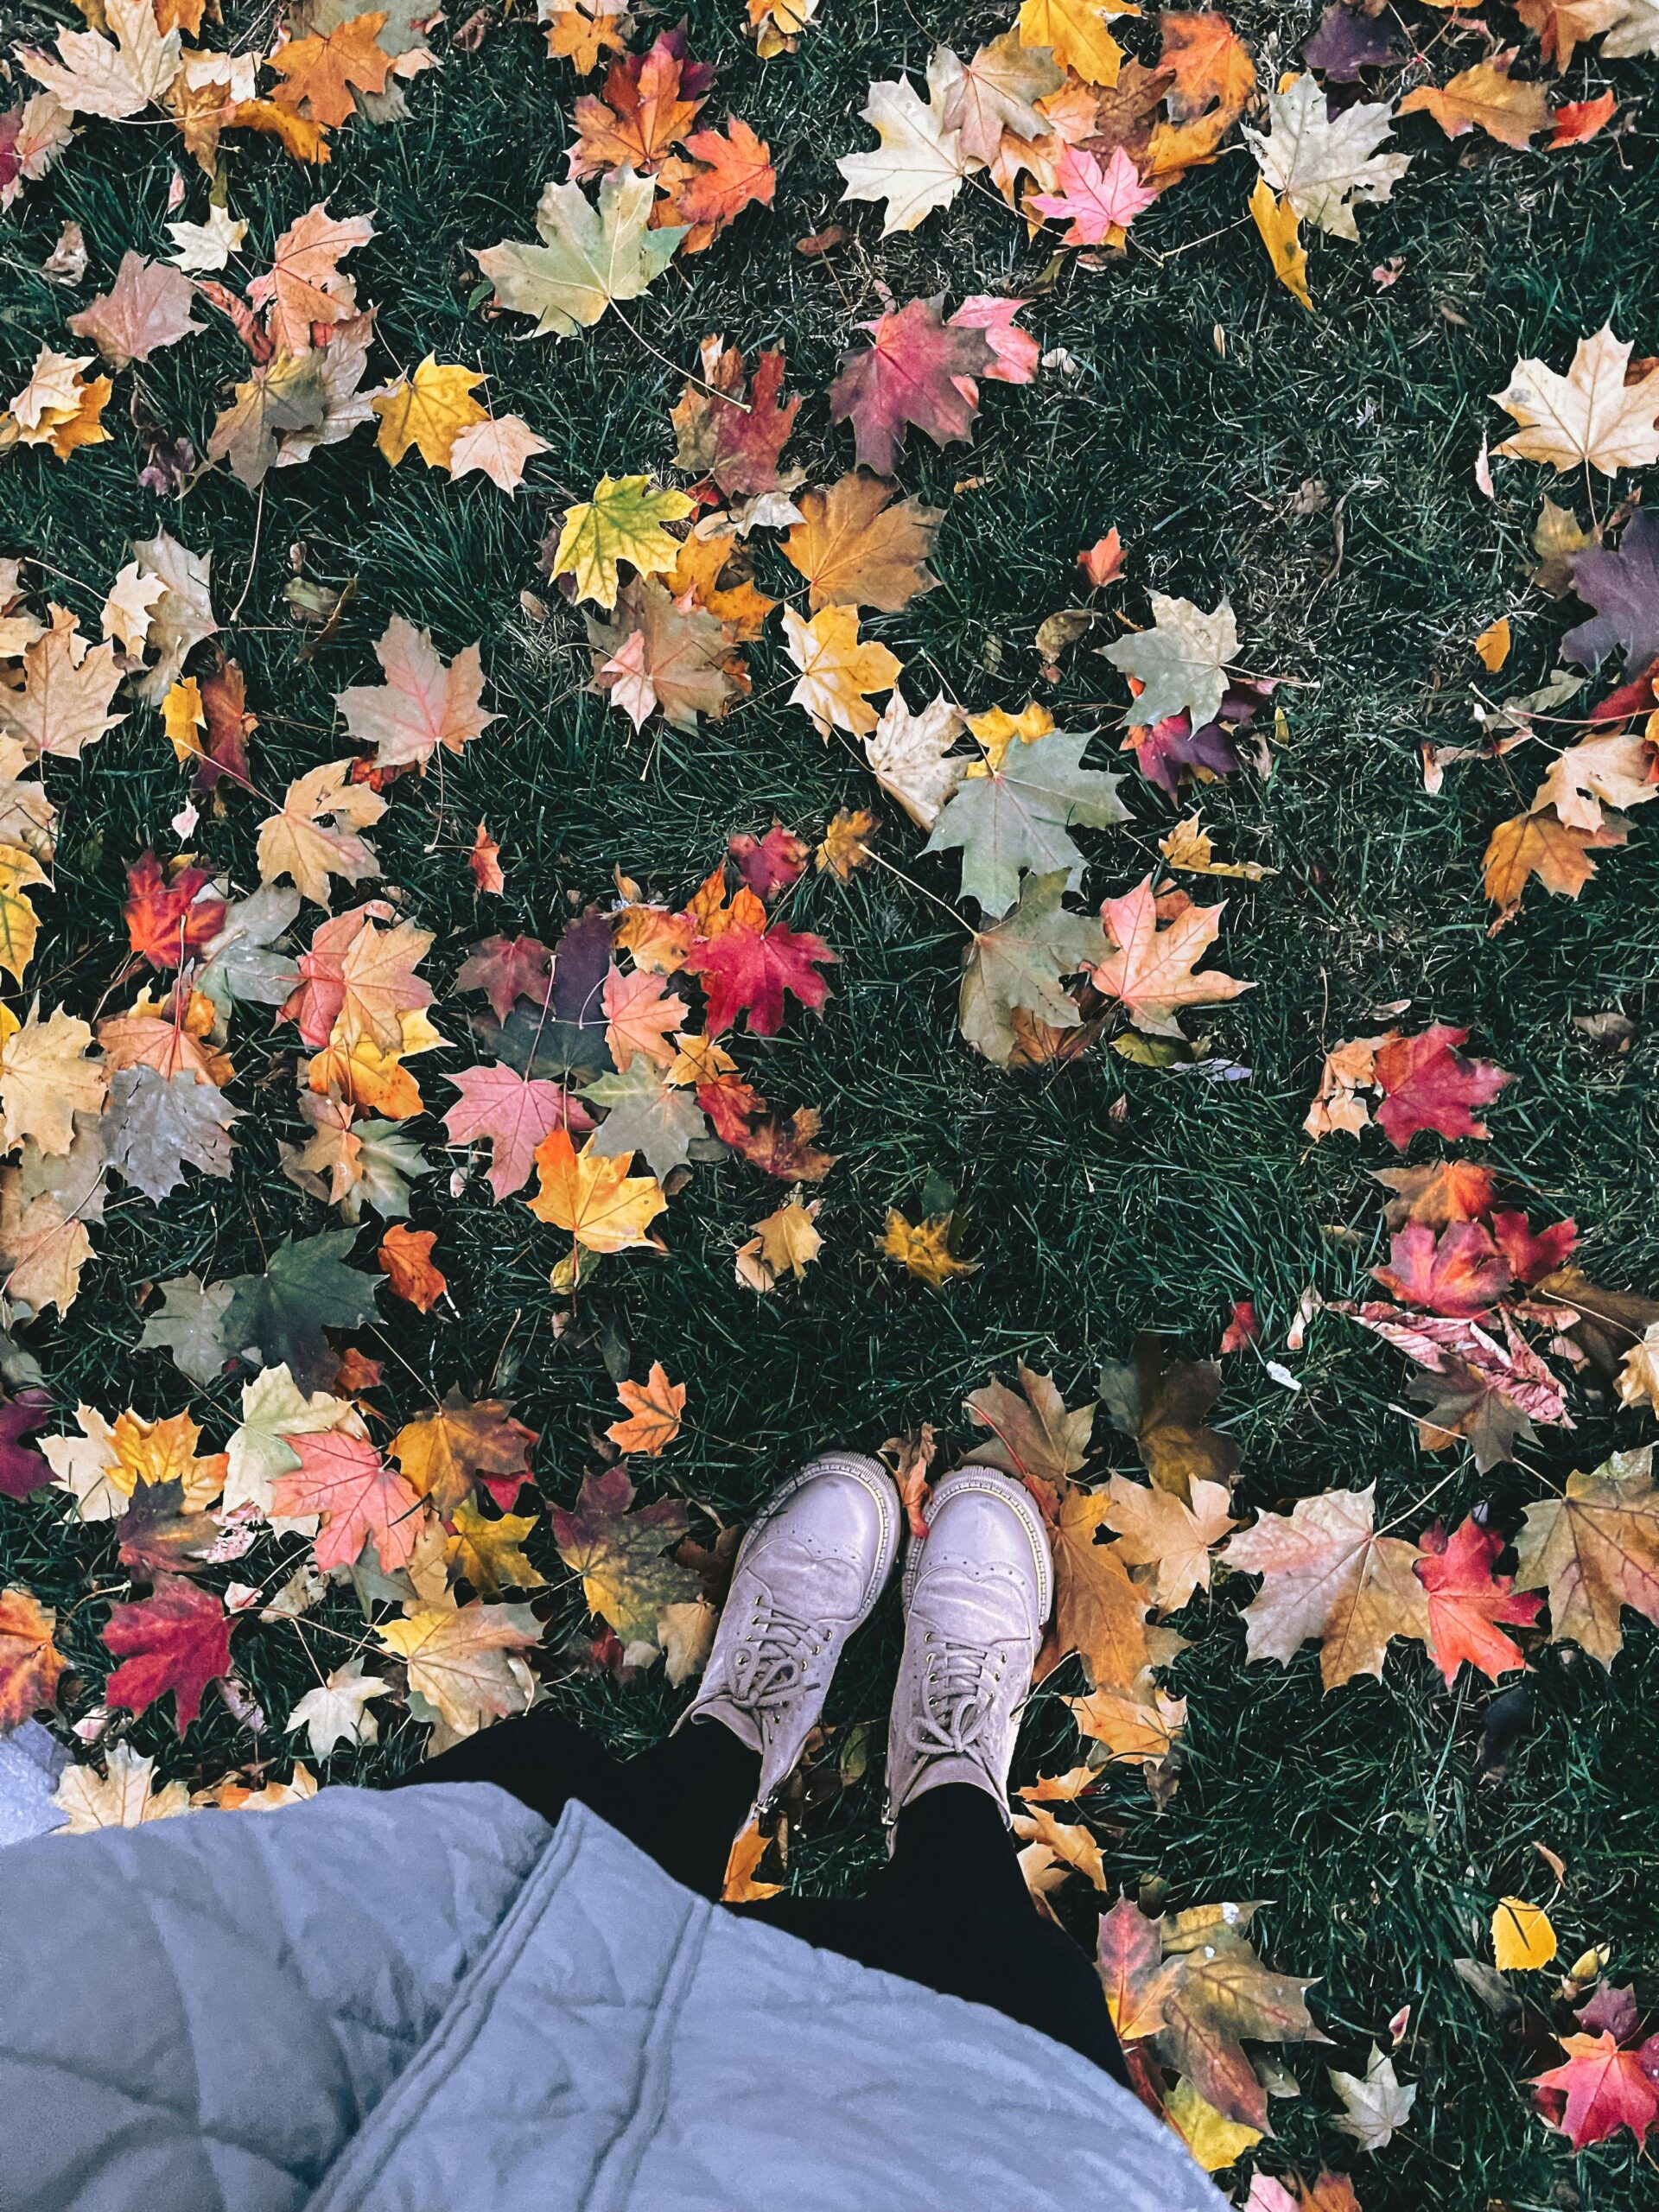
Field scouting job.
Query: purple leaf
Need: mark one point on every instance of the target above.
(22, 1469)
(1623, 588)
(1610, 2008)
(1346, 44)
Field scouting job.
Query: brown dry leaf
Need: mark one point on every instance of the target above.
(856, 549)
(1070, 1842)
(1034, 1435)
(1136, 1726)
(1596, 1550)
(1161, 1403)
(1169, 1539)
(1326, 1573)
(444, 1452)
(1099, 1611)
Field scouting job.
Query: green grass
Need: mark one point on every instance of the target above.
(1202, 397)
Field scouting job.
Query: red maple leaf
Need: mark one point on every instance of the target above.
(723, 177)
(1459, 1273)
(1430, 1085)
(165, 921)
(21, 1469)
(341, 1477)
(1600, 2089)
(1531, 1257)
(1467, 1599)
(225, 708)
(747, 447)
(769, 863)
(178, 1639)
(730, 1104)
(507, 969)
(908, 374)
(747, 971)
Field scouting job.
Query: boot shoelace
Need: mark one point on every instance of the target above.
(773, 1668)
(958, 1688)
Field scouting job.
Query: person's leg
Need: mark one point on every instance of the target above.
(807, 1574)
(951, 1910)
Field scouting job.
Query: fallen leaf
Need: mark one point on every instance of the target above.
(1593, 416)
(653, 1409)
(1522, 1935)
(31, 1666)
(621, 1553)
(912, 371)
(428, 412)
(1325, 1573)
(622, 522)
(1512, 113)
(919, 164)
(855, 549)
(589, 257)
(178, 1639)
(1377, 2104)
(837, 669)
(463, 1662)
(1324, 165)
(593, 1197)
(147, 307)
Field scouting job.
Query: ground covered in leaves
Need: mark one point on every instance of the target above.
(1326, 473)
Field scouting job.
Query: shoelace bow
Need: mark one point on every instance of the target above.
(956, 1695)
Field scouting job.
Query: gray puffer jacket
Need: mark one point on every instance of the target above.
(431, 2001)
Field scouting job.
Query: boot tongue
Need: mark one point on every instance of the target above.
(978, 1611)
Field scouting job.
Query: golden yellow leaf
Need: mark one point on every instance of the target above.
(622, 522)
(741, 1886)
(1522, 1935)
(425, 411)
(1214, 2141)
(165, 1452)
(788, 1238)
(182, 717)
(1075, 32)
(845, 845)
(923, 1247)
(463, 1662)
(1276, 223)
(593, 1195)
(837, 669)
(19, 924)
(1492, 645)
(488, 1553)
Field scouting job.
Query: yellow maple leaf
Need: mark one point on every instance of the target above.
(837, 669)
(593, 1196)
(846, 841)
(622, 522)
(489, 1552)
(923, 1247)
(783, 1243)
(462, 1660)
(1075, 32)
(426, 410)
(994, 731)
(19, 923)
(165, 1452)
(45, 1079)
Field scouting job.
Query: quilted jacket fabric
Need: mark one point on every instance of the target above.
(432, 2002)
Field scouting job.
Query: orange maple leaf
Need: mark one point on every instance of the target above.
(321, 73)
(654, 1409)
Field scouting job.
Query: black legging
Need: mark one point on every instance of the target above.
(950, 1910)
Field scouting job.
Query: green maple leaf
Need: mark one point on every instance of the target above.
(1019, 963)
(644, 1114)
(282, 1314)
(589, 258)
(1018, 817)
(190, 1324)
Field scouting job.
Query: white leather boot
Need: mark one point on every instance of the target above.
(978, 1589)
(808, 1573)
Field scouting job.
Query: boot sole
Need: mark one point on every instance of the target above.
(876, 1480)
(991, 1482)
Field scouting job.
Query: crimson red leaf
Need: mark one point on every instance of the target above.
(1600, 2089)
(177, 1640)
(1430, 1085)
(1467, 1599)
(769, 863)
(1458, 1274)
(1533, 1257)
(908, 374)
(747, 971)
(165, 921)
